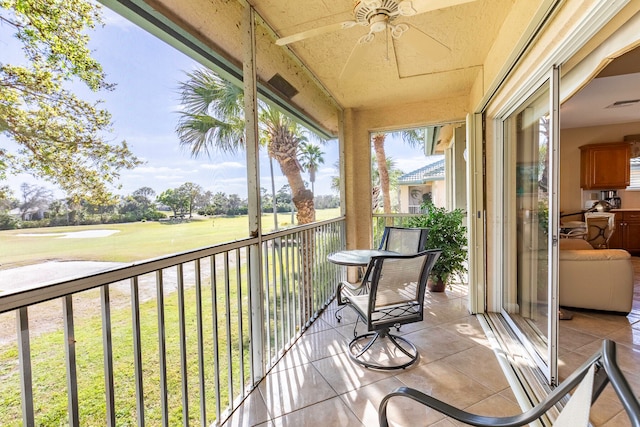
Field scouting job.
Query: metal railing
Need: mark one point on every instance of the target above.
(170, 341)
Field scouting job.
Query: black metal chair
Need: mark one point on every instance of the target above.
(404, 240)
(396, 298)
(401, 240)
(597, 372)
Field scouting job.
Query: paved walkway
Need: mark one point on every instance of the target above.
(36, 275)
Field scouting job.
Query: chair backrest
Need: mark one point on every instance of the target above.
(398, 284)
(600, 228)
(404, 240)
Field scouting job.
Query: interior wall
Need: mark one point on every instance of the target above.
(570, 141)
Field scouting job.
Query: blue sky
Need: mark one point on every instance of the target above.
(145, 107)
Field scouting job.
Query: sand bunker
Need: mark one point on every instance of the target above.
(74, 234)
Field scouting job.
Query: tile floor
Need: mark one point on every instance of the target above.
(316, 384)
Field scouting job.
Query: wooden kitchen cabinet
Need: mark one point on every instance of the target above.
(627, 233)
(605, 166)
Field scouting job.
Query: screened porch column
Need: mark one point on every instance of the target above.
(357, 182)
(253, 192)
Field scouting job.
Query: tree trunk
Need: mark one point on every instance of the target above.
(285, 152)
(381, 159)
(274, 203)
(302, 197)
(312, 178)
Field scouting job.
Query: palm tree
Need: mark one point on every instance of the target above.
(284, 136)
(392, 172)
(213, 119)
(311, 157)
(413, 137)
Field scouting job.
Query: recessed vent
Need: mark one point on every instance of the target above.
(626, 103)
(279, 83)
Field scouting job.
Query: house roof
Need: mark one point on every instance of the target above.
(431, 172)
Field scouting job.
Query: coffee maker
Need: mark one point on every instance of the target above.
(611, 196)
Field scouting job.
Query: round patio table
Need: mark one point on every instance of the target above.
(356, 257)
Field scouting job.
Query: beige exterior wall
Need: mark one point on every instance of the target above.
(438, 190)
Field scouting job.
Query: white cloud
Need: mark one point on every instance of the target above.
(223, 165)
(172, 178)
(155, 170)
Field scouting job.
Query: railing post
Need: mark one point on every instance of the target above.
(162, 350)
(70, 349)
(137, 350)
(107, 344)
(24, 354)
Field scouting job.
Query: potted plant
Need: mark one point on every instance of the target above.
(447, 233)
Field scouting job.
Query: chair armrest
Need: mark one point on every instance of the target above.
(347, 288)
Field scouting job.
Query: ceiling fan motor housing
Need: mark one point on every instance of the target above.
(365, 11)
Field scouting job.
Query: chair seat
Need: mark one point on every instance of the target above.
(395, 313)
(352, 287)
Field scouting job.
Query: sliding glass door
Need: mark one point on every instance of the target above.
(529, 298)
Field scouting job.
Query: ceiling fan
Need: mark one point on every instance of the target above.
(381, 15)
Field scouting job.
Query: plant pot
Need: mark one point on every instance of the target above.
(435, 285)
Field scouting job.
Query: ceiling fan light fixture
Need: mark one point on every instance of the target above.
(405, 8)
(378, 23)
(398, 30)
(373, 4)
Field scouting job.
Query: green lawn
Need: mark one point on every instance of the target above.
(48, 356)
(134, 241)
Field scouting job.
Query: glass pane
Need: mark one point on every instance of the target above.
(527, 300)
(635, 174)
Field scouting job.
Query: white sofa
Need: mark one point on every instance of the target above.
(598, 279)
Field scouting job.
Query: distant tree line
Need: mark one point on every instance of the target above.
(36, 206)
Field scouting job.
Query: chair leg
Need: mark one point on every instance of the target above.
(357, 354)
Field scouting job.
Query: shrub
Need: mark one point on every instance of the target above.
(7, 222)
(446, 232)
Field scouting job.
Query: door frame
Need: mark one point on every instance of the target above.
(547, 363)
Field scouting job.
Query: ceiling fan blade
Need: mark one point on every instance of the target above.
(356, 56)
(415, 7)
(315, 32)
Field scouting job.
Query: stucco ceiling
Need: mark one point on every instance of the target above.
(390, 73)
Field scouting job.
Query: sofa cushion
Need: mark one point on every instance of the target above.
(575, 244)
(600, 279)
(594, 254)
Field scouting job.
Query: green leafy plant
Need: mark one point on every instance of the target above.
(447, 233)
